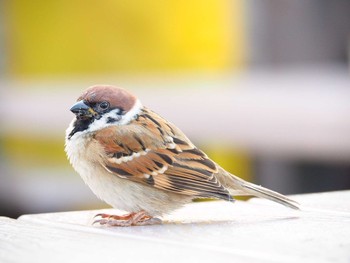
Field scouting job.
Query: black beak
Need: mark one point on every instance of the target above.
(82, 111)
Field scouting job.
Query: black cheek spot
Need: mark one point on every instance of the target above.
(119, 112)
(111, 120)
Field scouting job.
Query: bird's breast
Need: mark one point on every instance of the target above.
(84, 153)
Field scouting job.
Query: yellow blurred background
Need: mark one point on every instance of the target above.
(82, 37)
(264, 94)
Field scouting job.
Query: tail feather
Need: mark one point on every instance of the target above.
(260, 191)
(238, 186)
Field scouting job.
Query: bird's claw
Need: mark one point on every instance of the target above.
(132, 219)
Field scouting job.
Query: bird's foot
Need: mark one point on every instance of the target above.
(133, 219)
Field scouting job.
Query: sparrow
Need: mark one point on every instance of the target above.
(137, 161)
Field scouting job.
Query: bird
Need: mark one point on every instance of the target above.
(138, 162)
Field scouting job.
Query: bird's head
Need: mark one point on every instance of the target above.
(104, 105)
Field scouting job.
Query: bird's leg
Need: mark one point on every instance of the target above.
(133, 219)
(116, 217)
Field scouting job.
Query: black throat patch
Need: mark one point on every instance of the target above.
(80, 125)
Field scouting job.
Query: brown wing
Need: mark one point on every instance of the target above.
(156, 153)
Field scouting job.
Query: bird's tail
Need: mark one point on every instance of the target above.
(259, 191)
(238, 186)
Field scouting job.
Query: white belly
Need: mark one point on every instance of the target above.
(118, 192)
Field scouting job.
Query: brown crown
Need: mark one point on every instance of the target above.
(117, 97)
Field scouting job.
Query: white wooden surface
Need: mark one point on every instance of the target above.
(253, 231)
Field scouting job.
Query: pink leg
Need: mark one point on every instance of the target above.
(133, 219)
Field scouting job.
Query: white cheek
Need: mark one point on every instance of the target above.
(104, 122)
(131, 114)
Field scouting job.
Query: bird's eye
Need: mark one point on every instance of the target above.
(103, 106)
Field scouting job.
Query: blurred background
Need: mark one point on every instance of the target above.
(262, 86)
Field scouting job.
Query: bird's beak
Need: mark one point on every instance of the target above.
(82, 111)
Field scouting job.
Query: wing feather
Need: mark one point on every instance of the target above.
(152, 151)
